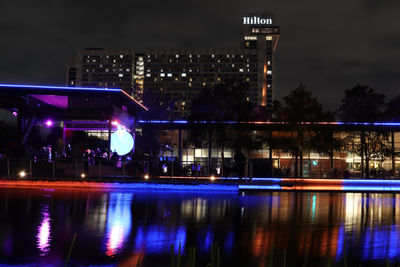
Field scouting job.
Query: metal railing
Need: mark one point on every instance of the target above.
(138, 169)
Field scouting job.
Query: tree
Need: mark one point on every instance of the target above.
(299, 108)
(218, 107)
(326, 140)
(360, 107)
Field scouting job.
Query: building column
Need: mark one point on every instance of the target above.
(180, 147)
(64, 139)
(209, 151)
(109, 139)
(393, 155)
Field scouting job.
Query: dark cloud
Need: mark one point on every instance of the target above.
(328, 45)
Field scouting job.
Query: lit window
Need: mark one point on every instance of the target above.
(101, 65)
(268, 38)
(190, 56)
(114, 61)
(121, 56)
(183, 103)
(169, 74)
(127, 70)
(190, 84)
(233, 65)
(162, 74)
(240, 70)
(212, 55)
(107, 70)
(183, 74)
(250, 37)
(227, 55)
(148, 75)
(268, 85)
(269, 72)
(120, 75)
(269, 63)
(176, 55)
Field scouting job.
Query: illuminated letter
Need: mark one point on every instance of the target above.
(246, 20)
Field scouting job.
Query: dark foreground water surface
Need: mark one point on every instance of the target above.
(116, 227)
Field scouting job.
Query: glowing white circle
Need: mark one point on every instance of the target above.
(121, 142)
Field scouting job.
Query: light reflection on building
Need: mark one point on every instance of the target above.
(44, 232)
(118, 222)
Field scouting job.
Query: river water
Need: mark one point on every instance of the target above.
(265, 229)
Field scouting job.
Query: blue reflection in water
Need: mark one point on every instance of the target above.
(205, 239)
(44, 232)
(381, 242)
(118, 222)
(314, 200)
(340, 243)
(155, 239)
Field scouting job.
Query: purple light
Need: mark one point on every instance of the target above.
(15, 113)
(22, 86)
(48, 123)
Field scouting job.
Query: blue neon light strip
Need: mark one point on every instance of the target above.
(370, 181)
(259, 187)
(22, 86)
(200, 187)
(371, 188)
(250, 122)
(370, 123)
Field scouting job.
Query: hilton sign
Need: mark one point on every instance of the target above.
(256, 21)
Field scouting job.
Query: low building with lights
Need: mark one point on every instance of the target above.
(97, 111)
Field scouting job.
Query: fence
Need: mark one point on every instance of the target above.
(138, 169)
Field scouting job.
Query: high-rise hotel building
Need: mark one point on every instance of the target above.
(176, 76)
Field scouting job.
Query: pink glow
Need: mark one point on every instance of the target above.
(115, 123)
(54, 100)
(115, 240)
(49, 123)
(43, 236)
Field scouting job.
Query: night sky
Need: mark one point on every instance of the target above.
(328, 45)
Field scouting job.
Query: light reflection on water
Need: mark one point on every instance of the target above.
(118, 222)
(115, 227)
(43, 235)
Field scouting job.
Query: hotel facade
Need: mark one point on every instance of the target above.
(174, 77)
